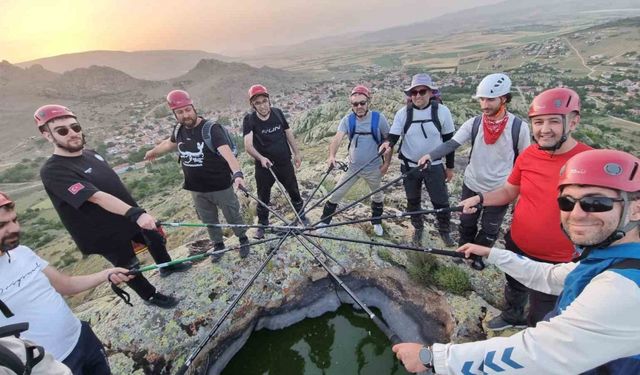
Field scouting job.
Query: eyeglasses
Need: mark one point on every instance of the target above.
(359, 104)
(588, 204)
(421, 92)
(260, 102)
(63, 130)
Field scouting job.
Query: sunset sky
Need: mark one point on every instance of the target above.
(31, 29)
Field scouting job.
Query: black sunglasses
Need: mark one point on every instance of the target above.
(588, 204)
(422, 92)
(63, 130)
(359, 104)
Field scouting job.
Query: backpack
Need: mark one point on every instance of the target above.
(434, 103)
(206, 136)
(515, 134)
(375, 130)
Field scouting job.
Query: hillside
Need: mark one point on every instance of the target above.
(151, 65)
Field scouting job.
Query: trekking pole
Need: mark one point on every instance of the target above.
(317, 187)
(370, 194)
(223, 225)
(281, 218)
(203, 343)
(286, 196)
(393, 337)
(378, 155)
(395, 216)
(152, 267)
(477, 263)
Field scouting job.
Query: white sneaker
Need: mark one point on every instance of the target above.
(377, 229)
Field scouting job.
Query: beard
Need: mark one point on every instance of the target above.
(10, 242)
(67, 147)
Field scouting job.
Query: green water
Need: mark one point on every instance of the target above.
(344, 342)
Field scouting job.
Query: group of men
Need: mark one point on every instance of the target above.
(104, 219)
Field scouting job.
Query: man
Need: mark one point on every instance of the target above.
(94, 205)
(209, 173)
(594, 327)
(269, 140)
(497, 138)
(535, 229)
(366, 130)
(424, 124)
(30, 290)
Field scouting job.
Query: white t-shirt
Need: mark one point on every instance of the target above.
(490, 165)
(26, 290)
(415, 144)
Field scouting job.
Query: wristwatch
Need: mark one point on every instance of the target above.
(426, 357)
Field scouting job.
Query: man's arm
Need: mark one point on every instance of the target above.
(161, 149)
(228, 156)
(499, 197)
(333, 147)
(116, 206)
(70, 285)
(297, 157)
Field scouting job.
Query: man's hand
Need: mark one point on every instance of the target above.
(150, 155)
(385, 146)
(448, 174)
(297, 160)
(472, 249)
(470, 204)
(239, 183)
(331, 161)
(117, 275)
(408, 354)
(266, 163)
(146, 221)
(424, 160)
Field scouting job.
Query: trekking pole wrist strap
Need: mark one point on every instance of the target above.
(134, 213)
(237, 174)
(481, 203)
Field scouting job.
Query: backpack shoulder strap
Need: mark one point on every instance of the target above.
(375, 126)
(176, 130)
(279, 114)
(352, 125)
(475, 128)
(626, 264)
(409, 120)
(206, 135)
(434, 115)
(515, 136)
(11, 360)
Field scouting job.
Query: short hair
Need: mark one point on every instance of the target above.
(508, 97)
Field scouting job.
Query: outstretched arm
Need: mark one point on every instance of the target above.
(160, 149)
(70, 285)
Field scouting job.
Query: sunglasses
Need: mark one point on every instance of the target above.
(63, 131)
(588, 204)
(421, 92)
(359, 104)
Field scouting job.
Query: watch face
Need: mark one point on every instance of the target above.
(425, 356)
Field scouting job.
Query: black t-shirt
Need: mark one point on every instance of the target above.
(269, 138)
(204, 170)
(70, 182)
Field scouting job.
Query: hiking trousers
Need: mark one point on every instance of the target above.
(490, 218)
(207, 206)
(433, 178)
(88, 356)
(264, 181)
(119, 252)
(516, 294)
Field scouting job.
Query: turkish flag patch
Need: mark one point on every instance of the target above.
(75, 188)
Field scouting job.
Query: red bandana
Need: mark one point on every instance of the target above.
(493, 129)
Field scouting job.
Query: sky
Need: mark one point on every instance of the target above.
(31, 29)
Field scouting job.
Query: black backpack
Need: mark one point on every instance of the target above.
(434, 103)
(515, 135)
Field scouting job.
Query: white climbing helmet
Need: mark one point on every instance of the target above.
(493, 86)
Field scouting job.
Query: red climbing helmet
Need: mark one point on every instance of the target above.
(557, 101)
(49, 112)
(5, 200)
(361, 89)
(257, 90)
(611, 169)
(178, 99)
